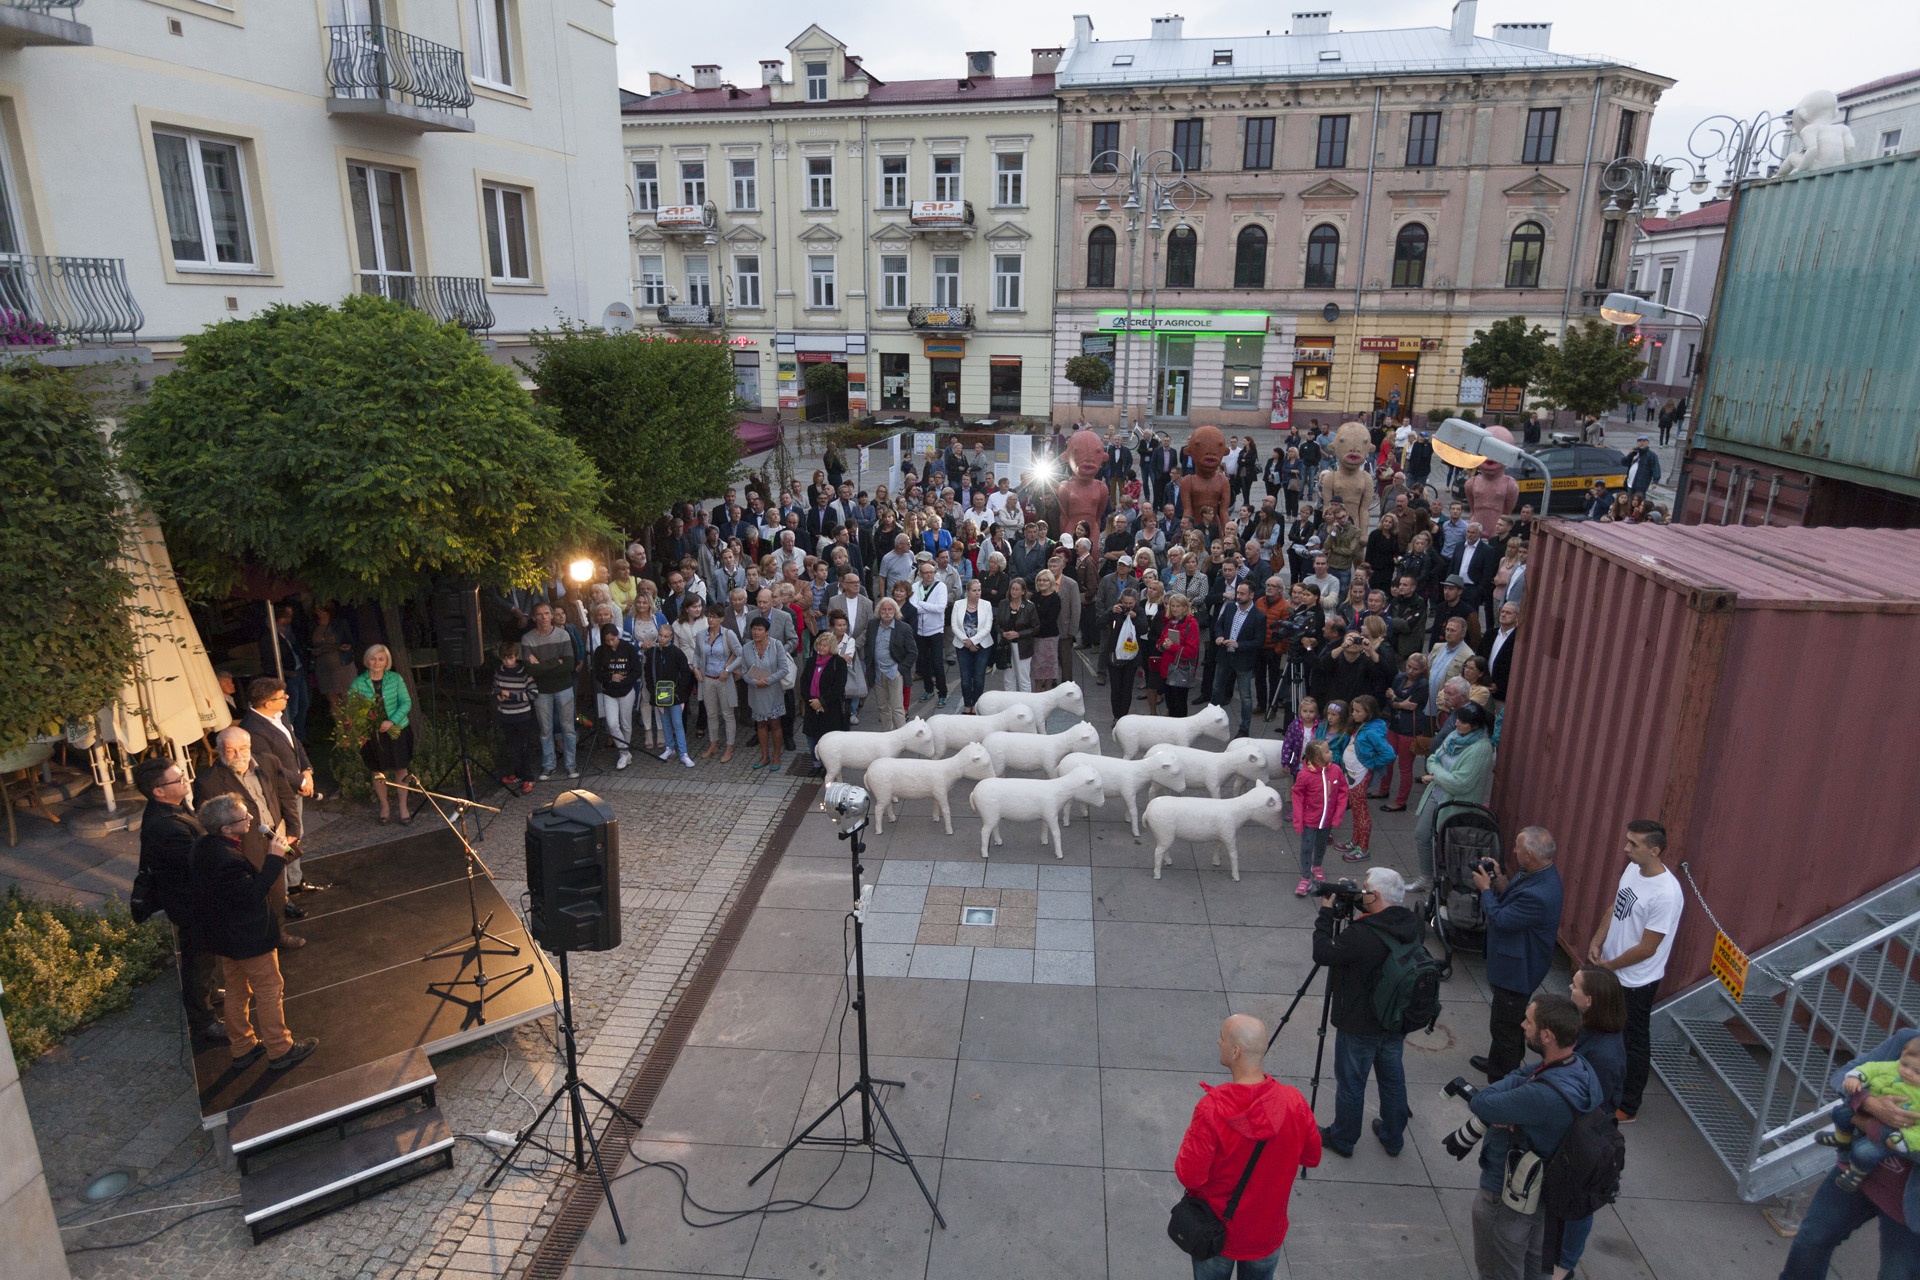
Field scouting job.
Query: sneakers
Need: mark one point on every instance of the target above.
(573, 773)
(1354, 855)
(1302, 889)
(686, 760)
(1319, 875)
(1622, 1117)
(511, 782)
(1343, 846)
(526, 788)
(294, 1056)
(666, 753)
(545, 774)
(943, 703)
(853, 720)
(624, 759)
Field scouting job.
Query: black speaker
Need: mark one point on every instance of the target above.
(573, 874)
(456, 624)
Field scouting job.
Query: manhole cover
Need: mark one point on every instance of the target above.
(108, 1185)
(977, 915)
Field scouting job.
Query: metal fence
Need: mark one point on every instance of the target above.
(45, 300)
(42, 6)
(460, 299)
(383, 62)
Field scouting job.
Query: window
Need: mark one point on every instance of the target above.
(1410, 257)
(653, 280)
(1103, 250)
(1105, 155)
(1006, 282)
(1609, 245)
(1223, 57)
(1250, 258)
(1423, 139)
(1633, 279)
(1258, 153)
(1188, 140)
(816, 82)
(1543, 131)
(1313, 368)
(380, 231)
(10, 232)
(693, 182)
(1523, 256)
(1323, 257)
(1183, 257)
(893, 281)
(1010, 179)
(1003, 385)
(820, 281)
(746, 377)
(1664, 294)
(1623, 140)
(946, 177)
(946, 280)
(699, 281)
(1100, 347)
(1240, 381)
(1890, 142)
(492, 57)
(746, 184)
(1330, 148)
(646, 186)
(509, 248)
(893, 182)
(893, 379)
(204, 188)
(746, 281)
(819, 182)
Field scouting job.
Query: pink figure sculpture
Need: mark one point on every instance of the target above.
(1349, 484)
(1206, 487)
(1491, 492)
(1082, 496)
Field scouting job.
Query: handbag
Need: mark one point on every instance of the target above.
(1126, 644)
(1183, 673)
(1193, 1225)
(144, 902)
(1520, 1186)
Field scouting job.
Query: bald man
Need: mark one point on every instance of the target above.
(270, 802)
(1253, 1121)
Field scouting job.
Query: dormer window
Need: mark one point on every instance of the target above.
(1223, 57)
(1329, 55)
(816, 82)
(1123, 60)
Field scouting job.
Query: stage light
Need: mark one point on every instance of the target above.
(847, 800)
(581, 570)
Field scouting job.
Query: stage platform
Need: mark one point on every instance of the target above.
(360, 983)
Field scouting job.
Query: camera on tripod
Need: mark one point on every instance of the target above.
(1464, 1139)
(1341, 897)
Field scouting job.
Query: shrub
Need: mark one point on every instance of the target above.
(1089, 373)
(63, 965)
(436, 753)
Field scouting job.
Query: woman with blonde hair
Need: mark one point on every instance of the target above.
(647, 621)
(388, 750)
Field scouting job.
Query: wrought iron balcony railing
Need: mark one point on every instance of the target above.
(383, 62)
(461, 299)
(46, 7)
(959, 317)
(699, 315)
(45, 301)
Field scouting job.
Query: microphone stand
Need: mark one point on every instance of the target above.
(474, 942)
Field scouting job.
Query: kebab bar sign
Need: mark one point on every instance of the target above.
(1411, 346)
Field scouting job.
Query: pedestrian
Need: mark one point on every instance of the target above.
(1634, 941)
(1246, 1141)
(1017, 627)
(890, 654)
(513, 693)
(555, 666)
(333, 654)
(1319, 802)
(1362, 1046)
(1239, 634)
(669, 683)
(716, 664)
(1522, 915)
(1407, 720)
(1303, 729)
(1459, 770)
(1178, 658)
(616, 671)
(824, 684)
(168, 832)
(1597, 995)
(929, 599)
(1643, 467)
(971, 625)
(1365, 752)
(1123, 643)
(1049, 629)
(765, 667)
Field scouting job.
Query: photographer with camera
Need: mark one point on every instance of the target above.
(1528, 1114)
(1354, 958)
(1523, 918)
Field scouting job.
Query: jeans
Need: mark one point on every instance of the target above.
(673, 729)
(1506, 1245)
(1507, 1045)
(973, 673)
(519, 731)
(1313, 849)
(1353, 1057)
(1834, 1215)
(1639, 1038)
(555, 711)
(1249, 1269)
(1225, 682)
(617, 715)
(1120, 677)
(1573, 1241)
(932, 663)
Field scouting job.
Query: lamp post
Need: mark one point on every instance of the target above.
(1154, 184)
(1744, 149)
(1462, 444)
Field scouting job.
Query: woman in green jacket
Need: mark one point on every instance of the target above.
(388, 749)
(1459, 767)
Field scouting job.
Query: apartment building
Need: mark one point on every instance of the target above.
(165, 164)
(903, 229)
(1884, 115)
(1337, 211)
(1676, 262)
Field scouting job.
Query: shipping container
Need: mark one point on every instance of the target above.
(1757, 690)
(1811, 354)
(1723, 488)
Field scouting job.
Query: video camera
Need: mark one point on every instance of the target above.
(1341, 897)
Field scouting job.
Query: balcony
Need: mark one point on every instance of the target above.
(948, 319)
(26, 22)
(47, 302)
(689, 315)
(950, 219)
(388, 77)
(459, 299)
(687, 220)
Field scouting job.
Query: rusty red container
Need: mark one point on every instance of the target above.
(1757, 690)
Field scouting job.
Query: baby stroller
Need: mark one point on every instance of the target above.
(1463, 834)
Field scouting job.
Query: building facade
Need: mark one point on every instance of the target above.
(1353, 206)
(903, 230)
(1884, 115)
(451, 154)
(1675, 263)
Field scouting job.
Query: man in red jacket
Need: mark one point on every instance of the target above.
(1227, 1122)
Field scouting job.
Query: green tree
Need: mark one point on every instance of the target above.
(1507, 355)
(66, 631)
(828, 379)
(1089, 373)
(362, 448)
(1590, 372)
(657, 415)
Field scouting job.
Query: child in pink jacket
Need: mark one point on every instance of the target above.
(1319, 802)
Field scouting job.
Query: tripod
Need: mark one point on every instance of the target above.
(474, 941)
(870, 1104)
(584, 1138)
(1326, 1010)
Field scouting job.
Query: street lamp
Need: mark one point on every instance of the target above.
(1154, 183)
(1462, 444)
(1628, 309)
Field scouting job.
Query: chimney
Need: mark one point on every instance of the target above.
(1463, 12)
(1047, 61)
(1532, 35)
(770, 69)
(1312, 24)
(1082, 30)
(706, 75)
(980, 64)
(1169, 27)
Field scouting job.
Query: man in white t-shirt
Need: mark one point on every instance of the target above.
(1403, 441)
(1635, 941)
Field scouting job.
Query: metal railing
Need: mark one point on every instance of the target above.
(45, 7)
(955, 317)
(383, 62)
(460, 299)
(46, 300)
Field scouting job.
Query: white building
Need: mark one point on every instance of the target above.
(165, 164)
(1885, 114)
(1676, 262)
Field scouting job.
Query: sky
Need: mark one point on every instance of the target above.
(1761, 55)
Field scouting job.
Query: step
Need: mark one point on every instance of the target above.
(1728, 1059)
(1727, 1128)
(330, 1101)
(334, 1174)
(1857, 1026)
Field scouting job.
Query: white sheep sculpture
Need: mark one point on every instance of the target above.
(1039, 752)
(1173, 818)
(1270, 749)
(1134, 734)
(1212, 769)
(1064, 697)
(1041, 800)
(846, 749)
(1125, 778)
(895, 779)
(950, 733)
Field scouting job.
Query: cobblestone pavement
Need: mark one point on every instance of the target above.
(120, 1095)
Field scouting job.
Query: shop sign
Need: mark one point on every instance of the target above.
(1472, 391)
(1282, 416)
(680, 216)
(945, 348)
(1390, 344)
(816, 357)
(857, 394)
(938, 213)
(1185, 322)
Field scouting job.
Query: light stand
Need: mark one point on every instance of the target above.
(585, 1140)
(864, 1087)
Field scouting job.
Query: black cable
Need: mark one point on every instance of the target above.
(134, 1190)
(147, 1239)
(484, 1144)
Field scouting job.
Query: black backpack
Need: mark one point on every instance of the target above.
(1406, 987)
(1583, 1173)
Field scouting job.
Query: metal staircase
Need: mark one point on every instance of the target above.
(1756, 1075)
